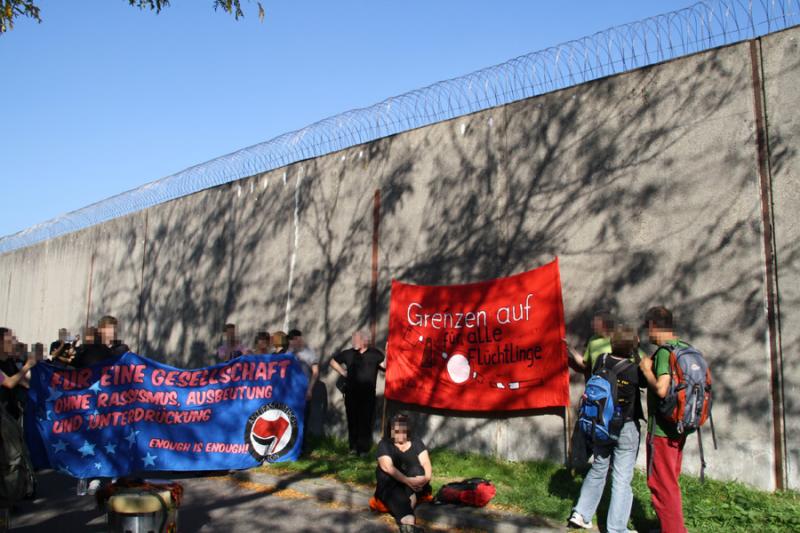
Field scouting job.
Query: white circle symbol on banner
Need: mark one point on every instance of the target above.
(458, 368)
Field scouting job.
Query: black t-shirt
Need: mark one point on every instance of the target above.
(362, 368)
(55, 344)
(11, 397)
(406, 462)
(89, 354)
(119, 348)
(628, 392)
(9, 366)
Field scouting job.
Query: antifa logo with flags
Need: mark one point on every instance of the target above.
(271, 432)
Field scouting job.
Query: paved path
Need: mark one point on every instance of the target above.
(250, 501)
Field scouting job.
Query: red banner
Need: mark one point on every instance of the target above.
(492, 346)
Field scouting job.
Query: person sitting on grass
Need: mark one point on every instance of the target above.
(403, 473)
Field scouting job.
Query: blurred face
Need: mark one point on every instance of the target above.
(108, 333)
(262, 346)
(296, 343)
(652, 333)
(63, 334)
(359, 343)
(230, 335)
(400, 432)
(8, 344)
(597, 326)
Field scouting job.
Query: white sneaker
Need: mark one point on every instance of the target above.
(93, 486)
(576, 520)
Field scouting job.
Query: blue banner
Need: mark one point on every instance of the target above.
(130, 414)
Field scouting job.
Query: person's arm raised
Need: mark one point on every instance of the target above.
(12, 381)
(575, 358)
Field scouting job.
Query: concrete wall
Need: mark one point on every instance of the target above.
(645, 185)
(781, 64)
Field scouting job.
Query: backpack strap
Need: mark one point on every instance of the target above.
(600, 363)
(650, 454)
(618, 367)
(713, 433)
(672, 348)
(702, 457)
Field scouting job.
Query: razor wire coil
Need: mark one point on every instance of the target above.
(699, 27)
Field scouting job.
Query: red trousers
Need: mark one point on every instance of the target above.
(664, 457)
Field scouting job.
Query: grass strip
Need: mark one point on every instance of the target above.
(549, 490)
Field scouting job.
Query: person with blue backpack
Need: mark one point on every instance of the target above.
(609, 417)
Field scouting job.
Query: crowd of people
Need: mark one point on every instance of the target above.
(404, 471)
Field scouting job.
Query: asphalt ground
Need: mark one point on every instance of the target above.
(252, 501)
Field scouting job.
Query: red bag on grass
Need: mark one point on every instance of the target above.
(476, 492)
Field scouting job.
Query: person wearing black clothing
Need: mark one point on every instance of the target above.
(90, 354)
(361, 366)
(11, 374)
(107, 328)
(403, 473)
(620, 455)
(61, 346)
(91, 351)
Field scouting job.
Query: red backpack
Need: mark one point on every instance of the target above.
(476, 492)
(688, 401)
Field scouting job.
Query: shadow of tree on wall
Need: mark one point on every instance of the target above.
(644, 185)
(571, 186)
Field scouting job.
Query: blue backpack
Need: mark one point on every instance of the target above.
(600, 416)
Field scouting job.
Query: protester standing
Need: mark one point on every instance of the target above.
(108, 329)
(599, 343)
(309, 363)
(359, 365)
(230, 347)
(62, 350)
(14, 374)
(280, 342)
(309, 360)
(8, 353)
(619, 455)
(664, 442)
(91, 351)
(261, 344)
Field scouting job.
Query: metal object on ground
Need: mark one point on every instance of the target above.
(142, 510)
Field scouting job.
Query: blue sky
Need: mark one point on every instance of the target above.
(101, 97)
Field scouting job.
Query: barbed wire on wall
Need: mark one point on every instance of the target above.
(699, 27)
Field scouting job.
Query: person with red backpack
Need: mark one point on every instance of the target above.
(677, 404)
